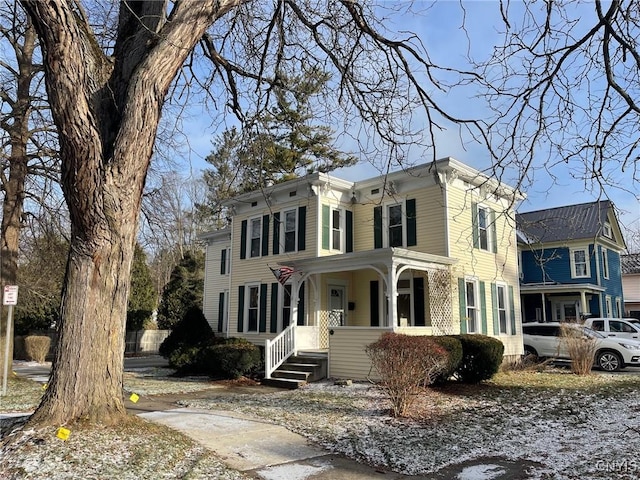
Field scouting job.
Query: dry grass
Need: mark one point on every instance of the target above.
(582, 350)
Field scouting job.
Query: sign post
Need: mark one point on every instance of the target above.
(9, 298)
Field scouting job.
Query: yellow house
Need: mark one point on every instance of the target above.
(327, 265)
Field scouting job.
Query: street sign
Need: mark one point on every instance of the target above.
(10, 296)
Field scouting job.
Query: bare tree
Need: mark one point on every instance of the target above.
(564, 87)
(106, 103)
(28, 159)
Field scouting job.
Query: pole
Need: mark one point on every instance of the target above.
(5, 375)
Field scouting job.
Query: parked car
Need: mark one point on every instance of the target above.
(614, 327)
(612, 354)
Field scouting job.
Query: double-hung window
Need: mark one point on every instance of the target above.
(580, 263)
(253, 307)
(471, 296)
(395, 225)
(255, 239)
(502, 307)
(605, 263)
(290, 230)
(336, 229)
(286, 305)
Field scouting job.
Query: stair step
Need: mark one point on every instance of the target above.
(292, 374)
(283, 383)
(302, 367)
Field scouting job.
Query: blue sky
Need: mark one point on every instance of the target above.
(447, 43)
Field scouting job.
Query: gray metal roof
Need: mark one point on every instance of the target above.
(630, 263)
(572, 222)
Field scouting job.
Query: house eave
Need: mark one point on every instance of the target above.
(561, 288)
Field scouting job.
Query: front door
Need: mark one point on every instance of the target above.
(566, 311)
(336, 305)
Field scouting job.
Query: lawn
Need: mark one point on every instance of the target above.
(571, 427)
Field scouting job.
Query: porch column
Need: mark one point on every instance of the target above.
(392, 297)
(583, 302)
(544, 309)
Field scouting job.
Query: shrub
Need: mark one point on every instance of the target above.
(37, 347)
(481, 358)
(581, 349)
(405, 364)
(232, 359)
(453, 346)
(193, 330)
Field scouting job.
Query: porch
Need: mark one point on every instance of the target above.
(560, 302)
(354, 298)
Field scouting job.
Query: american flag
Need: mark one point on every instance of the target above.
(282, 274)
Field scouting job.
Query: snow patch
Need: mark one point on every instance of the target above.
(481, 472)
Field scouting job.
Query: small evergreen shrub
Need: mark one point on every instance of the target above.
(193, 330)
(37, 347)
(453, 346)
(481, 358)
(230, 359)
(405, 364)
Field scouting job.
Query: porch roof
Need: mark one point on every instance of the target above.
(379, 257)
(561, 288)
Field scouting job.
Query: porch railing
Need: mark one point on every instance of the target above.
(276, 351)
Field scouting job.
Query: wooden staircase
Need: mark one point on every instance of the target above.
(298, 370)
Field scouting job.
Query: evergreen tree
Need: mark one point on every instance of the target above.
(184, 290)
(142, 295)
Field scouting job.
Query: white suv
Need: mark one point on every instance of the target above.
(614, 327)
(543, 340)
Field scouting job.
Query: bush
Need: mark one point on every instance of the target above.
(581, 349)
(193, 330)
(481, 358)
(37, 347)
(231, 359)
(405, 364)
(453, 346)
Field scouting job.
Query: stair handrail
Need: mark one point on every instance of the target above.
(276, 351)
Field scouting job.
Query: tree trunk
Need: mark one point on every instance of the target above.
(107, 113)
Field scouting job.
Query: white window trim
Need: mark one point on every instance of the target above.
(572, 259)
(385, 222)
(619, 307)
(283, 225)
(608, 306)
(476, 301)
(606, 230)
(247, 302)
(605, 263)
(507, 309)
(281, 295)
(489, 227)
(250, 237)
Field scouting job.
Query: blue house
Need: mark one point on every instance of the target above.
(569, 260)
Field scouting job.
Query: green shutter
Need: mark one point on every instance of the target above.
(243, 239)
(418, 301)
(301, 306)
(326, 227)
(462, 300)
(241, 309)
(483, 309)
(512, 311)
(223, 261)
(494, 236)
(220, 311)
(274, 308)
(494, 301)
(377, 227)
(302, 228)
(412, 238)
(265, 235)
(262, 321)
(474, 225)
(374, 303)
(349, 231)
(276, 233)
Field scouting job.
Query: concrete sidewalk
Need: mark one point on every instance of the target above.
(263, 450)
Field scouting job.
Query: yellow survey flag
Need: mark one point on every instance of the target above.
(63, 433)
(134, 397)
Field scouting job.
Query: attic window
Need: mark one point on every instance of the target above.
(254, 204)
(606, 230)
(293, 193)
(375, 191)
